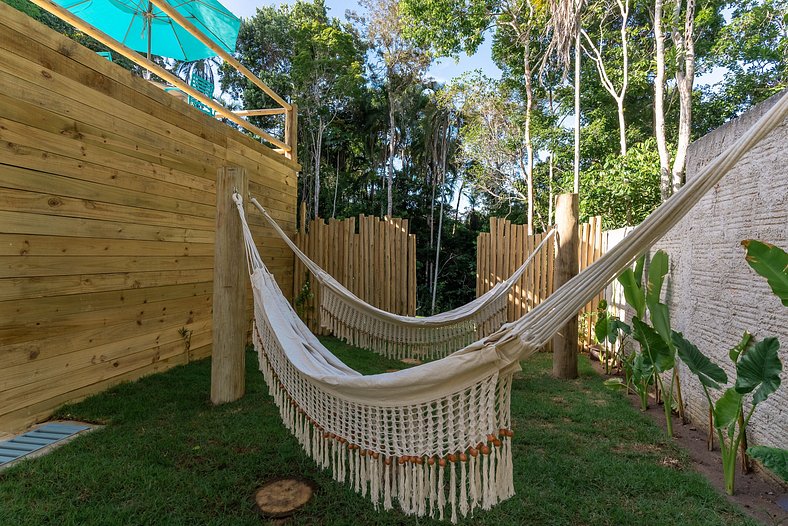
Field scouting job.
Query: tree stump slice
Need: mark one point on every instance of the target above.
(282, 497)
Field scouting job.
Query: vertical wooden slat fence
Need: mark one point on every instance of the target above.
(377, 263)
(504, 248)
(590, 250)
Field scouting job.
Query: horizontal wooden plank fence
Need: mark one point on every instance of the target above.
(377, 262)
(506, 246)
(107, 218)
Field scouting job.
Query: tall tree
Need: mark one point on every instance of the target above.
(619, 72)
(453, 26)
(564, 28)
(665, 186)
(404, 64)
(683, 34)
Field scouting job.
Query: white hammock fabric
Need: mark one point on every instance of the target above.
(436, 439)
(358, 323)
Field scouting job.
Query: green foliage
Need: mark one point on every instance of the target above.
(709, 373)
(656, 351)
(305, 295)
(753, 49)
(759, 370)
(608, 328)
(775, 459)
(632, 282)
(622, 190)
(771, 262)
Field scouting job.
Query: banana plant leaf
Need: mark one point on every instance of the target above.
(655, 350)
(759, 370)
(727, 409)
(771, 262)
(709, 373)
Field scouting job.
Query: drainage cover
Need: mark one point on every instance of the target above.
(31, 441)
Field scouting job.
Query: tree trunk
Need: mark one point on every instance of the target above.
(457, 210)
(318, 153)
(390, 161)
(336, 190)
(442, 163)
(529, 148)
(550, 190)
(685, 77)
(622, 126)
(577, 110)
(659, 104)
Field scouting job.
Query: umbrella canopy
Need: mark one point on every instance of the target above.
(143, 27)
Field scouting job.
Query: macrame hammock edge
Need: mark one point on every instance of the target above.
(436, 439)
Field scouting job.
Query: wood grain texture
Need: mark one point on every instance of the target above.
(107, 222)
(377, 263)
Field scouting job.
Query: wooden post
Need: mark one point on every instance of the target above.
(566, 266)
(229, 291)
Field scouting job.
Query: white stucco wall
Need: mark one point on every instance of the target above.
(714, 296)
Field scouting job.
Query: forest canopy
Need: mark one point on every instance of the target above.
(378, 135)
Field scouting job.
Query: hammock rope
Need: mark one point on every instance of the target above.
(436, 439)
(395, 336)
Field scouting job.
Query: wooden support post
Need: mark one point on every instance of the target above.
(566, 266)
(229, 291)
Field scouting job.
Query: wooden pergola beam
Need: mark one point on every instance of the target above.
(260, 113)
(141, 61)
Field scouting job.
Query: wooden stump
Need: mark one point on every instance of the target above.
(280, 498)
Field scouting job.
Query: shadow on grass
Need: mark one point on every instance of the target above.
(582, 455)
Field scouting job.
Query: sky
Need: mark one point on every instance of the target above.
(442, 70)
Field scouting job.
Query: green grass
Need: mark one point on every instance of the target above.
(583, 456)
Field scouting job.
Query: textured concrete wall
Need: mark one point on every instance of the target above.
(714, 296)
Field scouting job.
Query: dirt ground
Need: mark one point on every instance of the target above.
(761, 495)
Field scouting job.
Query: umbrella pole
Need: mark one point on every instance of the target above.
(149, 20)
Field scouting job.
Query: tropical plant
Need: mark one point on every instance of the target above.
(607, 331)
(757, 371)
(773, 458)
(657, 353)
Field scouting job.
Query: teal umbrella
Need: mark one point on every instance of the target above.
(143, 27)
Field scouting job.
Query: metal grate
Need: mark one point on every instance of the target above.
(31, 441)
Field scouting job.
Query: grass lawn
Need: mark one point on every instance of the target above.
(582, 456)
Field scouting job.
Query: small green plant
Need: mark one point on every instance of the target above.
(758, 369)
(657, 353)
(773, 458)
(305, 295)
(608, 330)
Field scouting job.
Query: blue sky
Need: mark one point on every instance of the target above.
(443, 70)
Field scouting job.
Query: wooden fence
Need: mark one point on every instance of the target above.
(506, 246)
(107, 218)
(377, 263)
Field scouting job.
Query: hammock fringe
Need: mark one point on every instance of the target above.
(407, 480)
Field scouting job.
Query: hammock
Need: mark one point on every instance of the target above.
(436, 439)
(358, 323)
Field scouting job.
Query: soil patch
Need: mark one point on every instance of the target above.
(758, 493)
